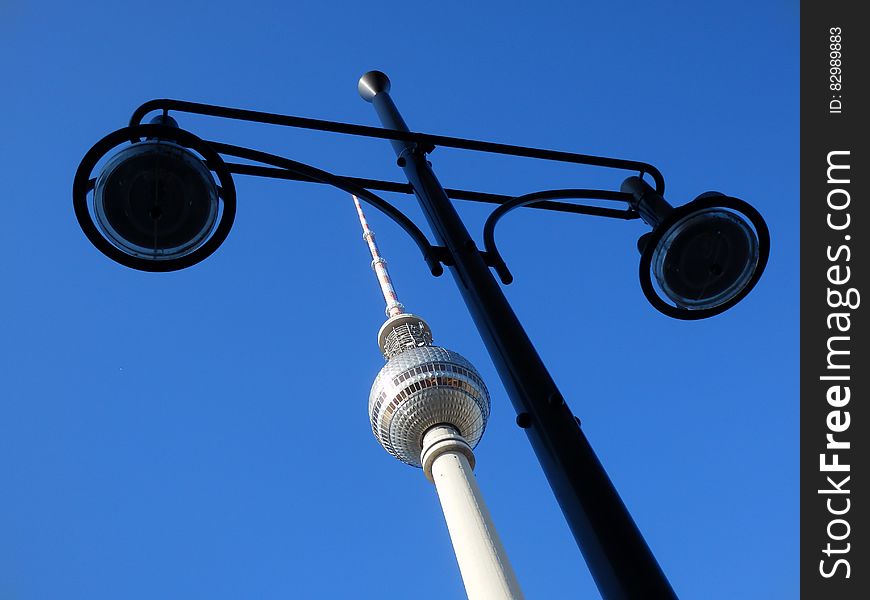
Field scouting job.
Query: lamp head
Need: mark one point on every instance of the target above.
(156, 205)
(705, 256)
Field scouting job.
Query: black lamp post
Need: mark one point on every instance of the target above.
(156, 206)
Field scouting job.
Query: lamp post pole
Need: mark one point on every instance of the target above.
(618, 557)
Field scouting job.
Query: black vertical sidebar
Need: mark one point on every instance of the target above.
(835, 301)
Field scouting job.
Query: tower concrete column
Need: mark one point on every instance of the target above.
(448, 461)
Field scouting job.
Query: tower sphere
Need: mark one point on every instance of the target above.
(423, 387)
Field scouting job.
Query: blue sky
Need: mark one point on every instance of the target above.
(203, 434)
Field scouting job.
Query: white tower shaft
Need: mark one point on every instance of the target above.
(486, 572)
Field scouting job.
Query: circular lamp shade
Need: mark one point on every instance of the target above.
(156, 205)
(705, 256)
(156, 200)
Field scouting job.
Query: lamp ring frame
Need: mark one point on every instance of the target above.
(713, 201)
(83, 184)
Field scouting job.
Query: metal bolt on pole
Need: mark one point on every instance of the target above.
(617, 555)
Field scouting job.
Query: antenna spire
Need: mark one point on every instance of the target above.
(379, 265)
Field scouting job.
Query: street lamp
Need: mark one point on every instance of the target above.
(156, 200)
(166, 201)
(705, 255)
(156, 205)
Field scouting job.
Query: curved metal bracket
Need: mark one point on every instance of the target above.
(430, 254)
(494, 258)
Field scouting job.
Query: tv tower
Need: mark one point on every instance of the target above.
(428, 407)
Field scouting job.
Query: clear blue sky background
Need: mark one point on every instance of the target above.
(203, 434)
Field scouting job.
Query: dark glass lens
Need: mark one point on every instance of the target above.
(707, 259)
(159, 197)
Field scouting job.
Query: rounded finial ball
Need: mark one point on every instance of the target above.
(164, 120)
(373, 83)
